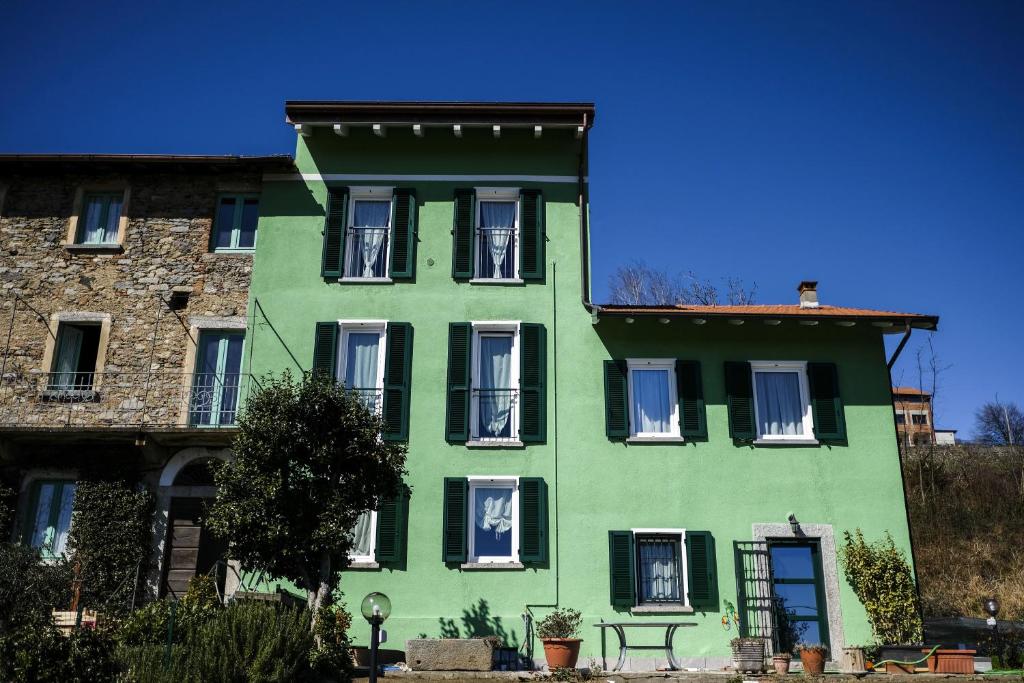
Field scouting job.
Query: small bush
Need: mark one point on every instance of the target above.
(883, 582)
(30, 589)
(333, 658)
(562, 623)
(41, 653)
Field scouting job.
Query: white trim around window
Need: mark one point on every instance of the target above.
(368, 193)
(496, 194)
(684, 572)
(807, 421)
(495, 328)
(497, 481)
(349, 327)
(669, 366)
(371, 557)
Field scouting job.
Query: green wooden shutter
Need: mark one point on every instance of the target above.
(463, 234)
(456, 511)
(740, 398)
(397, 379)
(533, 520)
(616, 399)
(533, 368)
(702, 576)
(391, 523)
(460, 350)
(826, 404)
(531, 235)
(622, 568)
(332, 263)
(693, 422)
(325, 349)
(403, 235)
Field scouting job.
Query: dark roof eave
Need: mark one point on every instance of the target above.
(439, 113)
(928, 322)
(273, 161)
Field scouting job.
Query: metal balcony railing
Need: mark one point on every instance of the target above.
(123, 399)
(366, 252)
(496, 253)
(495, 415)
(372, 398)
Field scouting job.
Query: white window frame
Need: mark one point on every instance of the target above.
(684, 583)
(485, 481)
(371, 557)
(668, 364)
(800, 368)
(346, 328)
(485, 328)
(368, 193)
(496, 194)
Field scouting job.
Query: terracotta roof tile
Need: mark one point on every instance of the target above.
(909, 391)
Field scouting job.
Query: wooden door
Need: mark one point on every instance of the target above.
(191, 549)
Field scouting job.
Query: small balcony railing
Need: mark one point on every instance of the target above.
(496, 253)
(372, 398)
(366, 252)
(123, 399)
(495, 415)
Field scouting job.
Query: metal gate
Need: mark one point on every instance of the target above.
(757, 604)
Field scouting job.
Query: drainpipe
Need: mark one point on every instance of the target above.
(899, 349)
(584, 201)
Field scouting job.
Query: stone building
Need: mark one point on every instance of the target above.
(124, 283)
(915, 419)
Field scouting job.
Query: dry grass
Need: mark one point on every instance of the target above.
(967, 513)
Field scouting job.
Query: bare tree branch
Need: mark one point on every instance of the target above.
(639, 285)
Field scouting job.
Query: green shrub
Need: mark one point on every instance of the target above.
(39, 652)
(148, 625)
(883, 582)
(561, 623)
(30, 589)
(333, 658)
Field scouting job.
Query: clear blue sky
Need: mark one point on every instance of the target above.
(876, 147)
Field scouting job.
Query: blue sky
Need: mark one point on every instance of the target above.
(876, 147)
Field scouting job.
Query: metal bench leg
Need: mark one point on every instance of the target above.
(670, 634)
(622, 648)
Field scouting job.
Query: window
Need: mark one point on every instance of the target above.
(101, 215)
(919, 418)
(234, 226)
(781, 401)
(495, 391)
(366, 239)
(361, 359)
(364, 538)
(798, 584)
(74, 359)
(901, 418)
(497, 221)
(494, 519)
(215, 384)
(659, 568)
(49, 516)
(653, 404)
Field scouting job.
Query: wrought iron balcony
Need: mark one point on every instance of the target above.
(372, 398)
(495, 415)
(123, 399)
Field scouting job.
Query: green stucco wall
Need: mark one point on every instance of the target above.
(594, 484)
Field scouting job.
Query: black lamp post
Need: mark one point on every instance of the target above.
(376, 608)
(991, 606)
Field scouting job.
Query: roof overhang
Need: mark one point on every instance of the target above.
(144, 161)
(305, 115)
(887, 322)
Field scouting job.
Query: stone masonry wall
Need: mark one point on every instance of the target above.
(166, 245)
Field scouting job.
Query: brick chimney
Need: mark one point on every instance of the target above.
(808, 294)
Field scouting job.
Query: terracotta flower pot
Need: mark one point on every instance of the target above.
(561, 653)
(781, 664)
(813, 661)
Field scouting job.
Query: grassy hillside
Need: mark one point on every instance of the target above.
(967, 516)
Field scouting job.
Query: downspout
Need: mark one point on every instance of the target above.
(899, 349)
(583, 191)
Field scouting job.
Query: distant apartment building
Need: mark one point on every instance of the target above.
(915, 420)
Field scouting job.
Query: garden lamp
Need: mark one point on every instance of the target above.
(991, 606)
(794, 525)
(375, 608)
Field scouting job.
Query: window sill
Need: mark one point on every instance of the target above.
(365, 280)
(496, 281)
(511, 443)
(234, 252)
(655, 439)
(786, 442)
(661, 609)
(113, 248)
(362, 564)
(492, 565)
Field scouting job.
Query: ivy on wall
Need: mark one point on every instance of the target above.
(109, 538)
(884, 583)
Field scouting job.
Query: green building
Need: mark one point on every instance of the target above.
(635, 463)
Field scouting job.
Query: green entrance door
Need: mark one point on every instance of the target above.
(799, 586)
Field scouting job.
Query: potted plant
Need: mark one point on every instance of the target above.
(812, 656)
(748, 654)
(559, 631)
(780, 662)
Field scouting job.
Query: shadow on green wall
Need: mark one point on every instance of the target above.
(477, 622)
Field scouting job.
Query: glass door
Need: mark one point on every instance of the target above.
(799, 587)
(214, 400)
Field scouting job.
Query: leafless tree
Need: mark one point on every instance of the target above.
(640, 285)
(999, 424)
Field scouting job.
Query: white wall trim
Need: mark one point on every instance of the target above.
(419, 177)
(184, 457)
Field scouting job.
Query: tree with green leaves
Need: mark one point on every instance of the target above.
(308, 461)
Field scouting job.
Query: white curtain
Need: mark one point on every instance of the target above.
(495, 373)
(94, 230)
(495, 512)
(778, 403)
(371, 221)
(42, 532)
(362, 534)
(362, 350)
(67, 358)
(652, 406)
(659, 571)
(60, 539)
(497, 219)
(113, 216)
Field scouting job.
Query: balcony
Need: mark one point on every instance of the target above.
(123, 399)
(495, 417)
